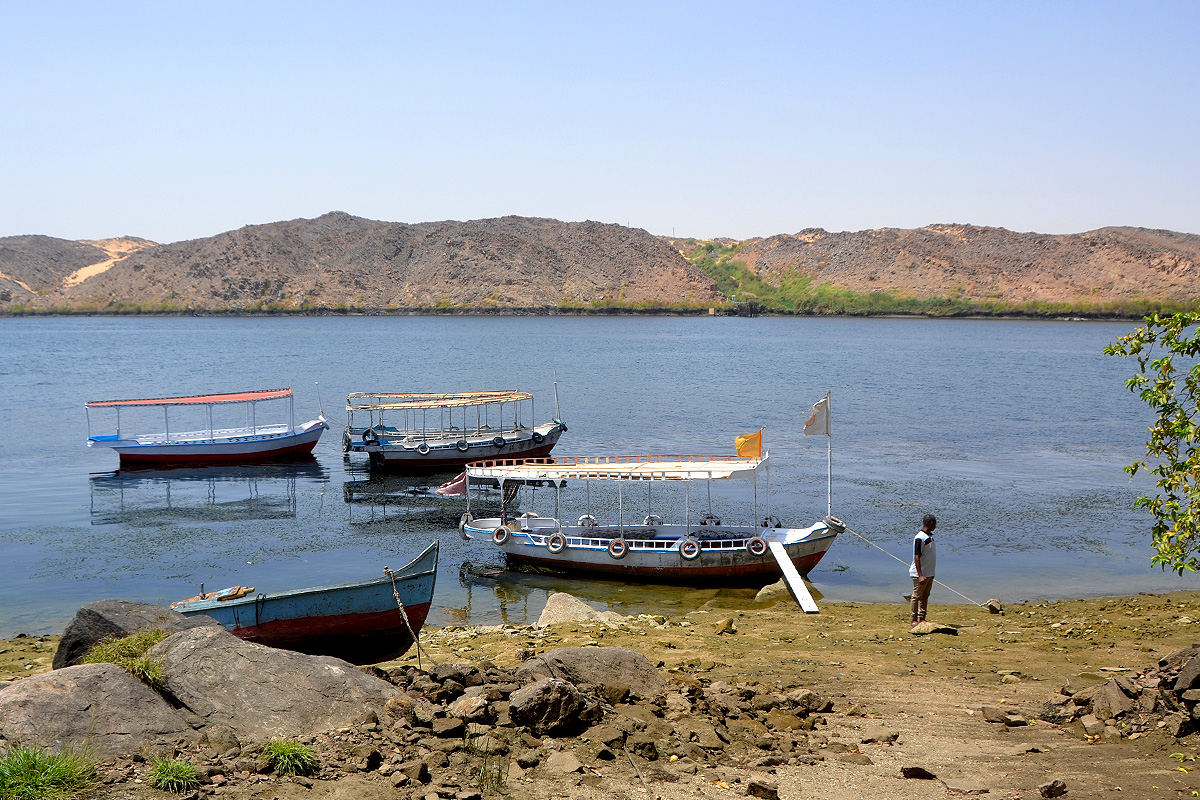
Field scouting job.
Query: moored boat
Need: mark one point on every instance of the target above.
(699, 548)
(425, 433)
(205, 437)
(363, 623)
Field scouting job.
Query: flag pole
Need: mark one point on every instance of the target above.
(829, 452)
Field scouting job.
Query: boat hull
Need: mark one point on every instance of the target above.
(446, 455)
(360, 623)
(235, 449)
(654, 554)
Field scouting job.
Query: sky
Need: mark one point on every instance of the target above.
(176, 121)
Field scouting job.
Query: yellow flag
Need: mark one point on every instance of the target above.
(749, 444)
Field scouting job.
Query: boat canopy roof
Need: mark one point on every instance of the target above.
(375, 401)
(199, 399)
(618, 468)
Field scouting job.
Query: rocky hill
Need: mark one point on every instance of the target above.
(987, 264)
(343, 262)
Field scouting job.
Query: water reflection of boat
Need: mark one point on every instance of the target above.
(384, 497)
(201, 494)
(520, 595)
(364, 623)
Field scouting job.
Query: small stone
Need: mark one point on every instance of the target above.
(763, 789)
(856, 758)
(1054, 788)
(726, 626)
(919, 773)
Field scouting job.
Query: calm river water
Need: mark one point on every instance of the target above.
(1013, 433)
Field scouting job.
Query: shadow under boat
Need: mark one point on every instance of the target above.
(521, 593)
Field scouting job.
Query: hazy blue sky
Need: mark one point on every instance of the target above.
(174, 121)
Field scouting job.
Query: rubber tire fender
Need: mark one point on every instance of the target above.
(500, 535)
(618, 549)
(369, 435)
(498, 441)
(556, 543)
(423, 449)
(834, 524)
(689, 548)
(757, 546)
(538, 438)
(462, 445)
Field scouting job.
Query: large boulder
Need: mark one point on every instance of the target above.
(99, 706)
(117, 619)
(548, 706)
(260, 691)
(588, 667)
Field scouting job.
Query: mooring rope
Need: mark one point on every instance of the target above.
(404, 616)
(902, 561)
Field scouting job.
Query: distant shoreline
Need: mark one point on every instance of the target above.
(1077, 316)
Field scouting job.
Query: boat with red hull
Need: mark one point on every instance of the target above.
(204, 437)
(364, 623)
(699, 549)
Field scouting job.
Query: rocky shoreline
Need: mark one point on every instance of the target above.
(738, 698)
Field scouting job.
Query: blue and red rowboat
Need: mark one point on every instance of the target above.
(359, 622)
(209, 439)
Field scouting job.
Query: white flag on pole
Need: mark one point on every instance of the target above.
(818, 422)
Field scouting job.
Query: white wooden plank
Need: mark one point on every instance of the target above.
(794, 581)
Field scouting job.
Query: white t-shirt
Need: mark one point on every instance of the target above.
(924, 546)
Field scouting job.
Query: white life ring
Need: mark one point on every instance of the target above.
(690, 549)
(556, 543)
(462, 445)
(587, 521)
(500, 535)
(652, 519)
(757, 546)
(617, 548)
(423, 449)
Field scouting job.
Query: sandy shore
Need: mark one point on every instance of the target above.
(928, 690)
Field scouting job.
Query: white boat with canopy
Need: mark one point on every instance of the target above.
(697, 547)
(432, 432)
(208, 428)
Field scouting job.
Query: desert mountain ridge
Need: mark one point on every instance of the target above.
(339, 262)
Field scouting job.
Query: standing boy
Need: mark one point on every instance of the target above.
(922, 568)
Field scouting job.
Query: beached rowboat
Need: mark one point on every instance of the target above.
(363, 623)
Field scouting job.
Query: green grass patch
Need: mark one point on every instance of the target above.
(129, 653)
(173, 775)
(30, 773)
(289, 757)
